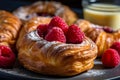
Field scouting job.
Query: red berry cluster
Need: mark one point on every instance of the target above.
(108, 29)
(58, 30)
(111, 57)
(7, 57)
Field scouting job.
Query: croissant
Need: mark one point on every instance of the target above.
(46, 8)
(103, 39)
(53, 58)
(9, 27)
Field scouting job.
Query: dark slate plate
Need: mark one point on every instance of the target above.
(97, 73)
(20, 73)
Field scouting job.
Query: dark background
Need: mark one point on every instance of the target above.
(11, 5)
(75, 5)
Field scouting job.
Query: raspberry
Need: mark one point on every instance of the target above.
(56, 34)
(108, 29)
(42, 30)
(7, 57)
(110, 58)
(74, 34)
(58, 22)
(116, 46)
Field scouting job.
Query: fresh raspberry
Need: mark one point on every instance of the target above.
(56, 34)
(42, 30)
(74, 34)
(7, 57)
(58, 22)
(108, 29)
(116, 46)
(110, 58)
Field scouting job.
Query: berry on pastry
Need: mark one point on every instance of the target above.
(116, 46)
(56, 34)
(74, 35)
(58, 22)
(42, 30)
(7, 57)
(46, 8)
(110, 58)
(100, 35)
(52, 55)
(108, 29)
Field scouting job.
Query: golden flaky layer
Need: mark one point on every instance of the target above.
(102, 39)
(9, 27)
(53, 58)
(45, 8)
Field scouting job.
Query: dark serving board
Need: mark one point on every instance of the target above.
(97, 73)
(20, 73)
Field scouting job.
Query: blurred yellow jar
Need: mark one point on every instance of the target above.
(103, 14)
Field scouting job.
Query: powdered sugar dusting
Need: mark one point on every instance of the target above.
(94, 72)
(59, 11)
(97, 70)
(21, 13)
(45, 48)
(34, 36)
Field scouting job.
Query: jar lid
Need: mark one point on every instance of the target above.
(104, 7)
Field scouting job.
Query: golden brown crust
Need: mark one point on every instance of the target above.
(53, 58)
(52, 8)
(102, 39)
(9, 27)
(31, 25)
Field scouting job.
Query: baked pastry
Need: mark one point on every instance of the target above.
(45, 8)
(53, 58)
(104, 37)
(9, 28)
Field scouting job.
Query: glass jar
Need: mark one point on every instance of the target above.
(105, 13)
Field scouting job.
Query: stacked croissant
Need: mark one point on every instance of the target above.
(51, 40)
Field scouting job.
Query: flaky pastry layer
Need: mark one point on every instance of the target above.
(44, 8)
(9, 28)
(53, 58)
(102, 39)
